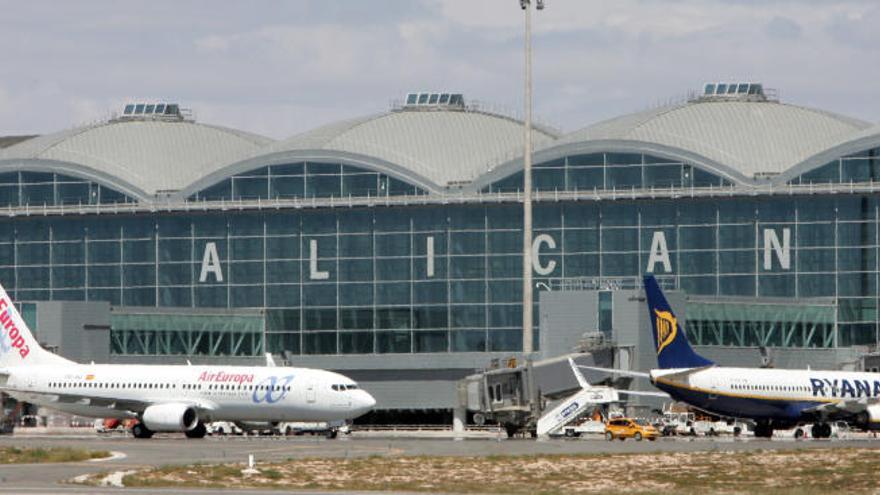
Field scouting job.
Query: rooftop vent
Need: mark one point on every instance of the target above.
(155, 111)
(739, 91)
(426, 101)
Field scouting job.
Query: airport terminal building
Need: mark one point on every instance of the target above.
(388, 247)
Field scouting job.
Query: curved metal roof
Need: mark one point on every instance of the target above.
(747, 137)
(861, 141)
(142, 158)
(440, 147)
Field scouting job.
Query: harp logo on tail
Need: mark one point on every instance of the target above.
(667, 328)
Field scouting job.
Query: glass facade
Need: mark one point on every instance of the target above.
(445, 277)
(606, 171)
(305, 180)
(858, 167)
(51, 189)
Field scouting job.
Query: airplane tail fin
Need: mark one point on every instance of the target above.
(18, 347)
(578, 375)
(670, 341)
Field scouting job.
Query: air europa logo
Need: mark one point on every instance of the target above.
(666, 327)
(10, 331)
(271, 389)
(223, 377)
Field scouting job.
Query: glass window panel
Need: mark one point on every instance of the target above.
(736, 236)
(246, 296)
(855, 284)
(33, 253)
(243, 224)
(282, 247)
(583, 241)
(398, 187)
(138, 275)
(113, 296)
(287, 169)
(696, 238)
(393, 293)
(617, 265)
(7, 256)
(585, 179)
(68, 252)
(505, 340)
(821, 234)
(9, 195)
(698, 285)
(68, 295)
(467, 266)
(430, 293)
(663, 176)
(393, 269)
(701, 262)
(323, 186)
(247, 249)
(776, 286)
(250, 188)
(361, 270)
(393, 245)
(211, 296)
(38, 194)
(468, 292)
(356, 318)
(467, 217)
(278, 223)
(105, 276)
(505, 291)
(430, 317)
(619, 214)
(505, 315)
(287, 187)
(356, 342)
(623, 159)
(702, 178)
(581, 265)
(68, 276)
(856, 234)
(511, 183)
(319, 294)
(502, 218)
(278, 343)
(356, 221)
(104, 251)
(110, 196)
(468, 316)
(282, 271)
(468, 242)
(281, 296)
(394, 318)
(620, 240)
(624, 177)
(505, 242)
(175, 274)
(175, 296)
(68, 230)
(814, 286)
(736, 261)
(505, 266)
(320, 222)
(32, 230)
(856, 259)
(175, 250)
(812, 260)
(245, 272)
(393, 342)
(139, 297)
(319, 319)
(75, 193)
(581, 214)
(468, 341)
(436, 341)
(319, 343)
(548, 179)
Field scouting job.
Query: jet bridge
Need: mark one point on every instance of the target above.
(517, 395)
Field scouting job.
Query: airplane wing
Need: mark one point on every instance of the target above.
(637, 374)
(643, 393)
(850, 407)
(132, 405)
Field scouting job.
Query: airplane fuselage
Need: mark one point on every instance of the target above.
(232, 393)
(784, 396)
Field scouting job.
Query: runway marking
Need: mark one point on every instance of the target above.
(114, 456)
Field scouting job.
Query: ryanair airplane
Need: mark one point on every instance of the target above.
(772, 398)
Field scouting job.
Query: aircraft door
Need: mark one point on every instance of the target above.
(311, 393)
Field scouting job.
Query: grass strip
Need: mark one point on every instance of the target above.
(15, 455)
(770, 472)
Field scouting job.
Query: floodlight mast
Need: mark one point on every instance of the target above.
(527, 303)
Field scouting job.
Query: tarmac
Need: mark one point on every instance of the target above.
(130, 453)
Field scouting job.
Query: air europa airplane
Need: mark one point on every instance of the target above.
(772, 398)
(167, 397)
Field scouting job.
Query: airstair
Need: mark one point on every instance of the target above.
(573, 407)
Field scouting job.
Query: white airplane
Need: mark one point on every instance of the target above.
(772, 398)
(169, 398)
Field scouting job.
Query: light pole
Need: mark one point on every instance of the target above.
(527, 181)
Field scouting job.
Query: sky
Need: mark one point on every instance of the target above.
(279, 68)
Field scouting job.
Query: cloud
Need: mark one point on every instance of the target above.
(783, 29)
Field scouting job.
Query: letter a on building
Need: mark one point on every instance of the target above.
(659, 252)
(211, 263)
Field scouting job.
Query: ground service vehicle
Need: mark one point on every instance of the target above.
(622, 428)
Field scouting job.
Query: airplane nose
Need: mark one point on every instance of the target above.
(365, 402)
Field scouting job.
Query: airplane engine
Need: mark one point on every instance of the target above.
(170, 417)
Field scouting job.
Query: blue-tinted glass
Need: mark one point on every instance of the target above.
(282, 247)
(662, 176)
(68, 252)
(139, 251)
(393, 293)
(319, 343)
(69, 276)
(74, 193)
(38, 194)
(221, 190)
(175, 296)
(467, 291)
(361, 270)
(505, 340)
(175, 274)
(399, 188)
(323, 186)
(356, 342)
(109, 196)
(323, 294)
(175, 250)
(393, 269)
(245, 272)
(467, 266)
(363, 184)
(549, 179)
(104, 251)
(505, 242)
(468, 316)
(430, 317)
(467, 242)
(430, 293)
(393, 342)
(620, 240)
(511, 183)
(250, 187)
(33, 253)
(736, 261)
(585, 178)
(250, 248)
(105, 276)
(246, 297)
(138, 275)
(619, 214)
(7, 256)
(623, 177)
(581, 265)
(9, 195)
(696, 237)
(279, 343)
(467, 217)
(620, 265)
(139, 297)
(319, 319)
(468, 341)
(279, 296)
(776, 286)
(824, 174)
(113, 296)
(436, 341)
(393, 245)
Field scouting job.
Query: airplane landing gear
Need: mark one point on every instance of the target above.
(763, 430)
(821, 430)
(141, 431)
(198, 432)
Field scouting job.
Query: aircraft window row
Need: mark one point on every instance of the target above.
(111, 385)
(273, 388)
(342, 387)
(776, 388)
